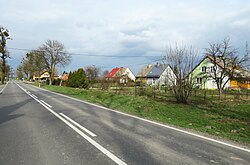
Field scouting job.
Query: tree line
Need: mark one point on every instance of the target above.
(47, 57)
(5, 68)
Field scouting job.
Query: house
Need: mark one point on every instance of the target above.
(122, 75)
(141, 77)
(242, 81)
(64, 76)
(236, 84)
(158, 74)
(203, 75)
(43, 76)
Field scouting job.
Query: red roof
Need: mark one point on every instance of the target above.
(112, 72)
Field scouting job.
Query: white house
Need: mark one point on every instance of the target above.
(123, 75)
(203, 74)
(158, 74)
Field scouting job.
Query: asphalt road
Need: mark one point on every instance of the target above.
(41, 127)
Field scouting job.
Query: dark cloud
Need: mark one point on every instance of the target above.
(120, 28)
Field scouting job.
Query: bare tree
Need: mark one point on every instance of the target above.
(92, 73)
(182, 60)
(246, 63)
(227, 64)
(104, 74)
(103, 82)
(4, 36)
(54, 54)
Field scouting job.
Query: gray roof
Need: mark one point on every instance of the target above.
(157, 70)
(152, 71)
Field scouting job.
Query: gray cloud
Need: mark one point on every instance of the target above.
(141, 27)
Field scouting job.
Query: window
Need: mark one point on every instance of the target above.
(218, 79)
(212, 69)
(199, 80)
(204, 69)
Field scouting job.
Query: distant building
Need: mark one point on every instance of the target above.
(122, 75)
(158, 74)
(64, 76)
(43, 76)
(203, 75)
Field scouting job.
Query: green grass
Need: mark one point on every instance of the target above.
(229, 119)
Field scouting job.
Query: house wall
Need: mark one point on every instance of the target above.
(167, 77)
(211, 83)
(234, 84)
(245, 85)
(45, 75)
(130, 74)
(152, 81)
(35, 77)
(207, 81)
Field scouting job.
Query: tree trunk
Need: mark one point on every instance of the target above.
(61, 82)
(3, 72)
(50, 77)
(220, 92)
(50, 81)
(2, 79)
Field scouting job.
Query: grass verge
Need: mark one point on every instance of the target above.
(229, 120)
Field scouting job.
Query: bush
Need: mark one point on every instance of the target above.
(56, 82)
(77, 79)
(104, 84)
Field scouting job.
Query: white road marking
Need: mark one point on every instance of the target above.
(4, 87)
(34, 96)
(235, 158)
(212, 161)
(46, 103)
(78, 125)
(98, 146)
(152, 122)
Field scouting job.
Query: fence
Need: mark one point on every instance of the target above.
(165, 94)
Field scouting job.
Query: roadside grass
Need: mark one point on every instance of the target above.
(228, 119)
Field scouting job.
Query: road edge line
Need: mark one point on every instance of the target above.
(91, 141)
(4, 87)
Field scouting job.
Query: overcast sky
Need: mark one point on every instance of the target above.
(122, 27)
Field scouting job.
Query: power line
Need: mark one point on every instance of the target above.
(136, 65)
(157, 58)
(91, 55)
(146, 63)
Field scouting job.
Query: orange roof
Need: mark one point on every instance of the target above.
(65, 77)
